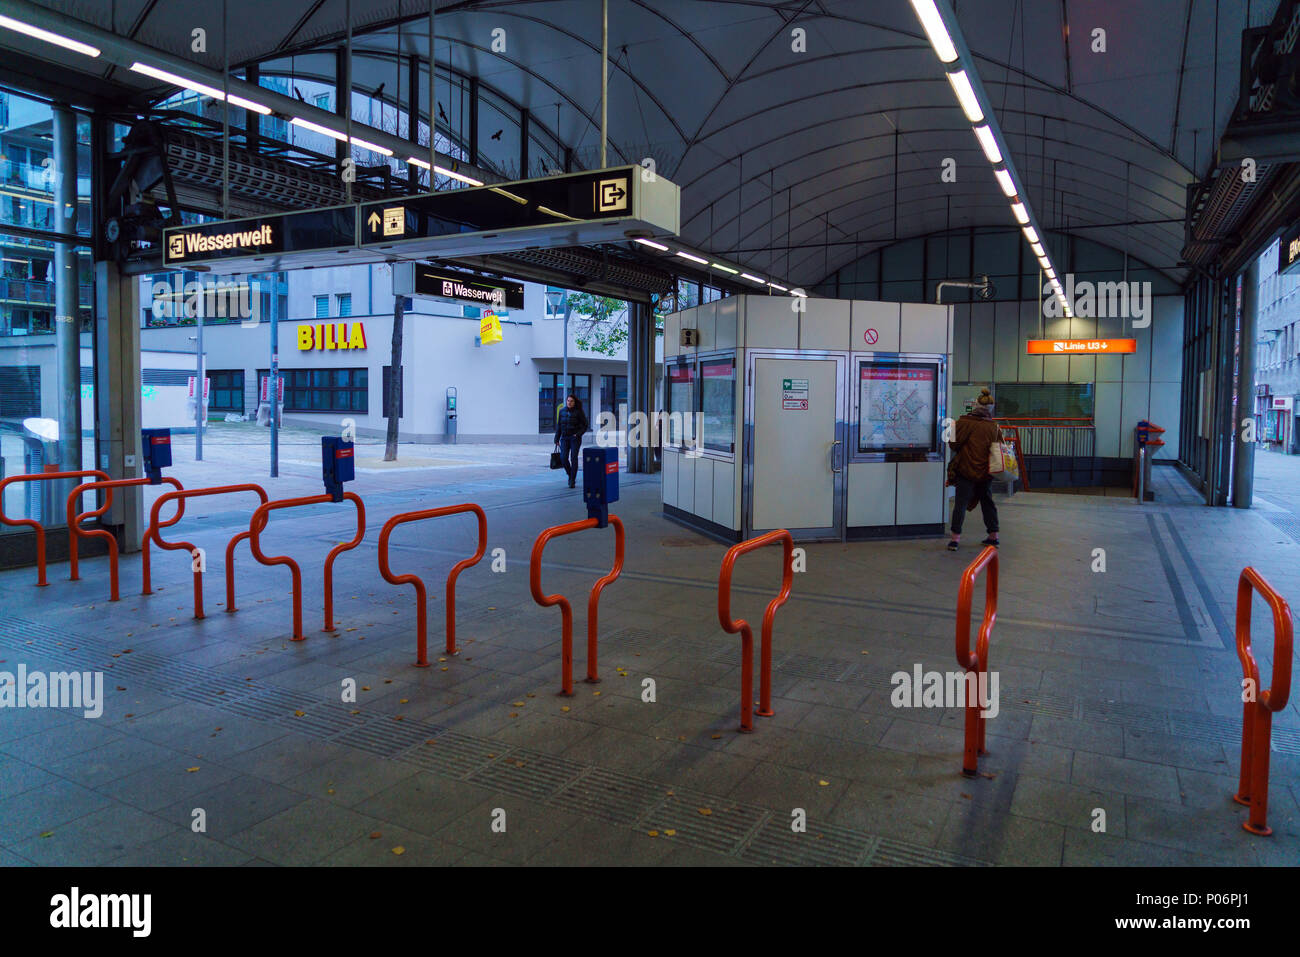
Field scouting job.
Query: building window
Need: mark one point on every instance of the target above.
(322, 307)
(227, 390)
(550, 397)
(345, 304)
(613, 396)
(324, 390)
(388, 374)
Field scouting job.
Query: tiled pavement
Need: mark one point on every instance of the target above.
(1118, 691)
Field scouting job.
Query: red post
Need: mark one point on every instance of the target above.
(154, 525)
(51, 473)
(1259, 704)
(421, 637)
(258, 522)
(76, 531)
(976, 664)
(747, 633)
(566, 611)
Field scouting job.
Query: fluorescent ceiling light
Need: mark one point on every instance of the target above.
(185, 83)
(798, 292)
(48, 37)
(970, 103)
(779, 287)
(424, 164)
(1005, 181)
(1018, 210)
(989, 143)
(175, 79)
(934, 29)
(653, 245)
(745, 275)
(1031, 234)
(383, 150)
(725, 268)
(317, 128)
(694, 259)
(1038, 249)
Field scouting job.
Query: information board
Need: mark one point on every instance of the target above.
(897, 406)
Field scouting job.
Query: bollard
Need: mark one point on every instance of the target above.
(977, 664)
(747, 633)
(421, 634)
(1258, 705)
(566, 611)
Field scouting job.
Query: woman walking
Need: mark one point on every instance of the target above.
(570, 425)
(969, 469)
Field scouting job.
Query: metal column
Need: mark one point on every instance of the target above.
(117, 394)
(67, 317)
(1243, 468)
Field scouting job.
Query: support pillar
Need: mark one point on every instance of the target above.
(67, 314)
(1243, 466)
(117, 395)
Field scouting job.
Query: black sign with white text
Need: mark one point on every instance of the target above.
(467, 287)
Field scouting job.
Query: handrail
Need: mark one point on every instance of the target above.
(77, 532)
(566, 611)
(978, 662)
(40, 530)
(1258, 705)
(261, 515)
(747, 633)
(421, 634)
(154, 525)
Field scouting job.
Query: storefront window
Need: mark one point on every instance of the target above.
(550, 397)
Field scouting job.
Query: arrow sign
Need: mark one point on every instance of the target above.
(373, 222)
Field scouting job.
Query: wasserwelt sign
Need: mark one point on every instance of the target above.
(331, 335)
(202, 241)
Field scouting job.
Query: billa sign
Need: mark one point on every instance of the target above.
(1075, 347)
(327, 336)
(1288, 251)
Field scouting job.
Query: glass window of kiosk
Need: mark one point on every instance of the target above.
(718, 403)
(681, 403)
(898, 406)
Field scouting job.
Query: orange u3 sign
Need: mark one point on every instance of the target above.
(1049, 347)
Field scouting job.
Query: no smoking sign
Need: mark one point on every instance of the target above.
(871, 336)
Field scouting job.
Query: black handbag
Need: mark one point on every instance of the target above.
(557, 460)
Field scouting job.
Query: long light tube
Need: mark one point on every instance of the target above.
(58, 40)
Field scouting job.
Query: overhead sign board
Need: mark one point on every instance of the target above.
(422, 279)
(1050, 347)
(255, 243)
(570, 210)
(1288, 251)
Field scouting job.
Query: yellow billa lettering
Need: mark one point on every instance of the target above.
(315, 337)
(358, 340)
(304, 337)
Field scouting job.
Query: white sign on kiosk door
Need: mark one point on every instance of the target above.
(794, 395)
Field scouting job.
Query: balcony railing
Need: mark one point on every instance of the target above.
(38, 292)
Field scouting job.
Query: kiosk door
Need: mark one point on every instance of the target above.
(796, 450)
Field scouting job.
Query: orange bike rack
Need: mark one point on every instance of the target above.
(421, 643)
(258, 522)
(1257, 712)
(40, 531)
(154, 525)
(746, 633)
(977, 663)
(566, 611)
(77, 532)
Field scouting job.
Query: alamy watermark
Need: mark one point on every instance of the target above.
(53, 689)
(945, 689)
(212, 299)
(1101, 300)
(652, 430)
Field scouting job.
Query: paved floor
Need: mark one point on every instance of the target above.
(222, 742)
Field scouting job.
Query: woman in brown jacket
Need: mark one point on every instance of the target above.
(969, 469)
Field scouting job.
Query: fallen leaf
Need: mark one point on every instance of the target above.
(403, 701)
(519, 704)
(705, 811)
(299, 714)
(564, 707)
(715, 737)
(823, 784)
(47, 834)
(190, 770)
(669, 832)
(653, 833)
(376, 835)
(399, 850)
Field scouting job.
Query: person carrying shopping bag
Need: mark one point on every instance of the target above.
(570, 425)
(977, 436)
